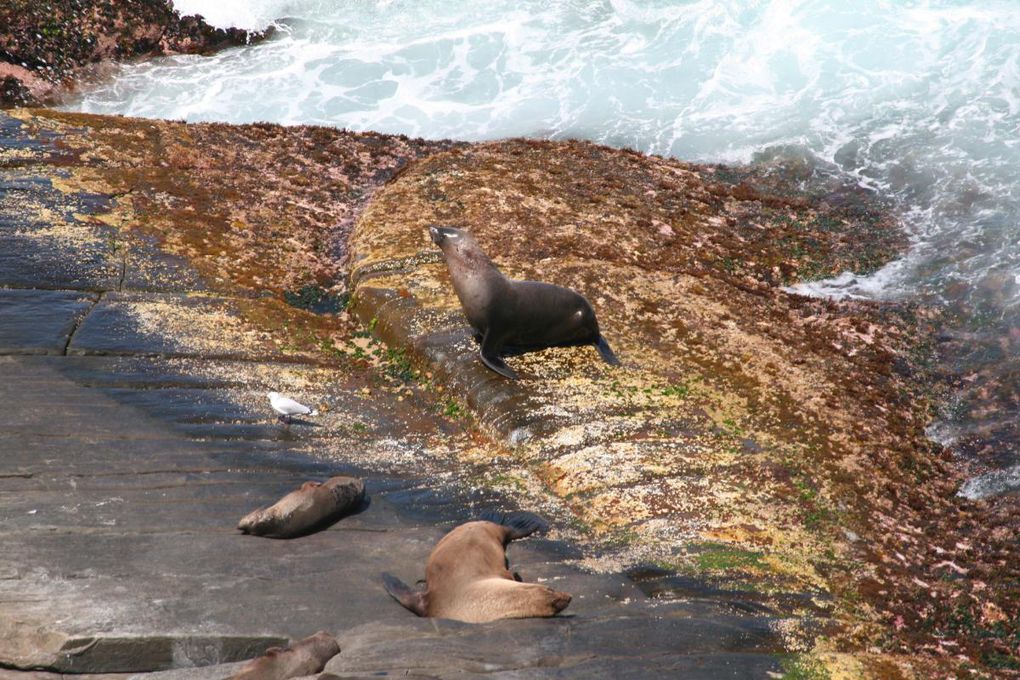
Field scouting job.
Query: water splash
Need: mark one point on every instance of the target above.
(248, 14)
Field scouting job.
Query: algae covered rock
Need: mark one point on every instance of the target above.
(759, 441)
(45, 46)
(733, 440)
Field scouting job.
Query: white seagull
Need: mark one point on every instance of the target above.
(288, 408)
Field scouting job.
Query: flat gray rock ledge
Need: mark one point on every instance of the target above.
(41, 649)
(614, 647)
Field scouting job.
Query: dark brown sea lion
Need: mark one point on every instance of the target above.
(302, 658)
(467, 579)
(311, 505)
(509, 314)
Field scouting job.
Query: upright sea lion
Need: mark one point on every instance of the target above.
(310, 505)
(519, 314)
(302, 658)
(467, 578)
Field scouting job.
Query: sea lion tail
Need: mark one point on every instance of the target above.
(518, 524)
(606, 351)
(404, 594)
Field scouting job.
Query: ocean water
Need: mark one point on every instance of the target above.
(917, 100)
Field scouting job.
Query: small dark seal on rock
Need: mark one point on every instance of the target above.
(518, 315)
(307, 657)
(301, 511)
(467, 578)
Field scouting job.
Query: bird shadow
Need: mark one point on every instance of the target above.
(297, 421)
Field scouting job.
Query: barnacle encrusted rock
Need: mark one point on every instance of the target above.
(45, 47)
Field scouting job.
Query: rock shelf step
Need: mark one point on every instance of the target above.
(39, 648)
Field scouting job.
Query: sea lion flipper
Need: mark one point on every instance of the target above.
(490, 353)
(606, 351)
(402, 593)
(517, 524)
(497, 364)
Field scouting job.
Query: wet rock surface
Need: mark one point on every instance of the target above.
(129, 451)
(728, 455)
(562, 647)
(50, 316)
(45, 47)
(737, 435)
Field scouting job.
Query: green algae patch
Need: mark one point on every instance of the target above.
(804, 667)
(316, 299)
(712, 557)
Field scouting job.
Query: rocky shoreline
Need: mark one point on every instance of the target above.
(820, 407)
(767, 447)
(694, 421)
(47, 48)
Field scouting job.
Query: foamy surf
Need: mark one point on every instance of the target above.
(247, 14)
(991, 484)
(889, 282)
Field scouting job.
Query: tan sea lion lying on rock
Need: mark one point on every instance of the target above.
(467, 579)
(301, 511)
(515, 315)
(301, 658)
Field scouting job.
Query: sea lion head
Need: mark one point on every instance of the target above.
(454, 242)
(507, 599)
(460, 249)
(441, 236)
(545, 600)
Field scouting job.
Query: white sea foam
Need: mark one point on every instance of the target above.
(991, 484)
(248, 14)
(849, 286)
